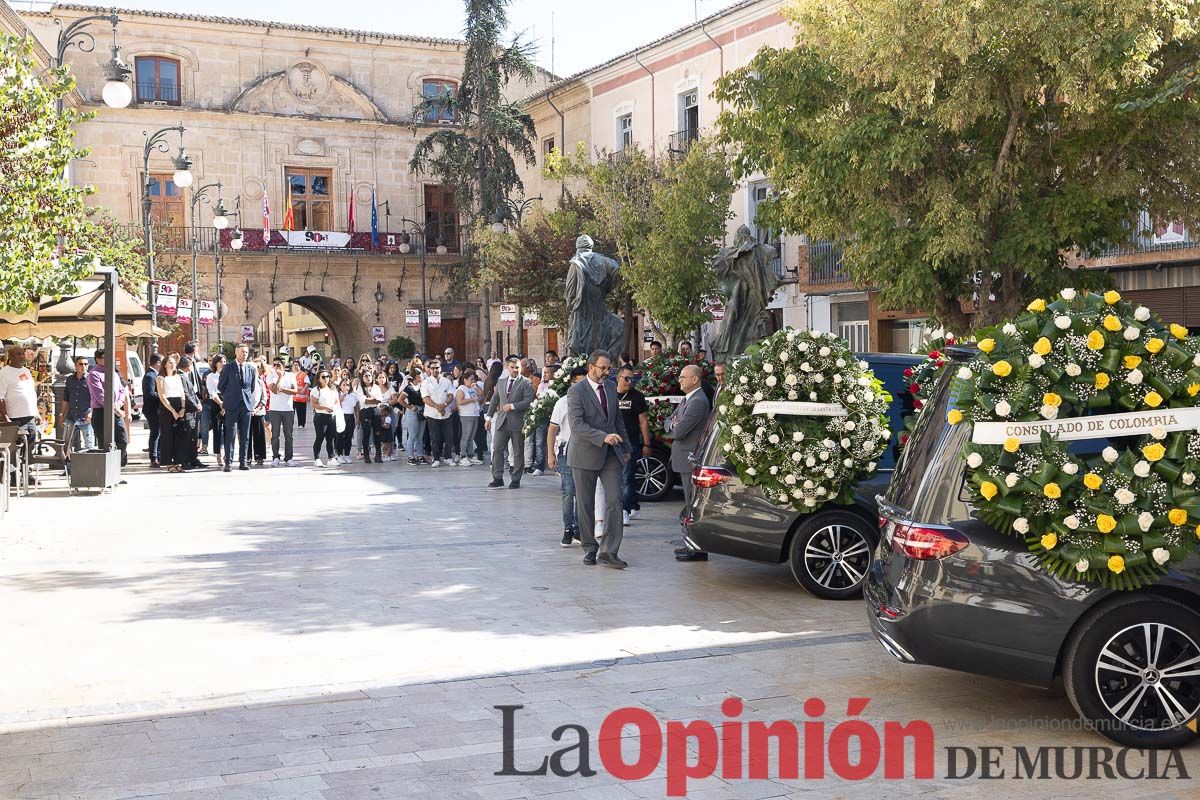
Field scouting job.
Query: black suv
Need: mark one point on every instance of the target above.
(948, 590)
(829, 550)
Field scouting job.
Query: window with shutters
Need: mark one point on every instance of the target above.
(312, 199)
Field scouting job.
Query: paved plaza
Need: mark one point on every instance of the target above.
(347, 634)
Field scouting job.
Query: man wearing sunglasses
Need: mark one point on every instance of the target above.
(635, 412)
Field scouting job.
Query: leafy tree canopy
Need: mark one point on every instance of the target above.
(971, 147)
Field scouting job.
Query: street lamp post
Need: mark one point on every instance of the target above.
(235, 243)
(116, 93)
(183, 179)
(220, 223)
(405, 248)
(512, 209)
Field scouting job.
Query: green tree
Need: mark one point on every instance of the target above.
(971, 147)
(401, 348)
(530, 261)
(689, 210)
(44, 248)
(477, 154)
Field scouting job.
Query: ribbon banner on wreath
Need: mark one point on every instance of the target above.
(1086, 367)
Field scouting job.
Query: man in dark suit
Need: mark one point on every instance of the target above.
(191, 411)
(506, 416)
(685, 427)
(151, 405)
(598, 451)
(236, 387)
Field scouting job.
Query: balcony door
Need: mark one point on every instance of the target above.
(441, 217)
(312, 199)
(166, 210)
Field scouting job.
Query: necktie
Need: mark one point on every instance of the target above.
(603, 398)
(508, 391)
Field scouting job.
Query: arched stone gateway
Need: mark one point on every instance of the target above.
(347, 331)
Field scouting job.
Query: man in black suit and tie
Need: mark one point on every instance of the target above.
(686, 426)
(598, 451)
(236, 387)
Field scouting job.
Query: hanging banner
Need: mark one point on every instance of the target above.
(715, 307)
(247, 334)
(184, 309)
(322, 239)
(1101, 426)
(378, 334)
(168, 296)
(434, 317)
(531, 319)
(508, 316)
(207, 312)
(412, 317)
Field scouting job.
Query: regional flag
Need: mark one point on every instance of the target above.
(289, 218)
(374, 220)
(351, 200)
(266, 216)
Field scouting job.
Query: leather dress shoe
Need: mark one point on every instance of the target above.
(245, 467)
(609, 560)
(515, 485)
(496, 484)
(226, 468)
(589, 558)
(692, 555)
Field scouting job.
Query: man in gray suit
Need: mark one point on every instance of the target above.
(686, 426)
(598, 451)
(506, 412)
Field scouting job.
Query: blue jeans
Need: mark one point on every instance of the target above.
(569, 514)
(629, 496)
(539, 446)
(86, 438)
(415, 425)
(205, 423)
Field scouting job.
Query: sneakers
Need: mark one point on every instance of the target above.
(625, 518)
(568, 538)
(635, 513)
(477, 462)
(412, 462)
(537, 473)
(290, 462)
(275, 462)
(436, 463)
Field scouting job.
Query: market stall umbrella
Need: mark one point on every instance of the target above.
(82, 314)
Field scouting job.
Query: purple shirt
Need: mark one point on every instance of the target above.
(95, 384)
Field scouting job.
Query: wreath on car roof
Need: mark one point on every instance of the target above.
(803, 419)
(1087, 367)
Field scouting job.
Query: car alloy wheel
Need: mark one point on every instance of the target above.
(1132, 669)
(831, 554)
(1148, 676)
(652, 478)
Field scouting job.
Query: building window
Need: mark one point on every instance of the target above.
(547, 149)
(624, 132)
(166, 202)
(157, 80)
(312, 201)
(441, 218)
(689, 114)
(442, 93)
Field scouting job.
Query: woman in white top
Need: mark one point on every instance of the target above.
(172, 445)
(387, 415)
(368, 415)
(349, 411)
(467, 396)
(324, 399)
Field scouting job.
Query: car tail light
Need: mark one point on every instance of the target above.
(708, 477)
(925, 543)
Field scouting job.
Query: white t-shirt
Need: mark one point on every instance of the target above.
(349, 402)
(470, 406)
(327, 397)
(18, 390)
(559, 417)
(279, 400)
(211, 380)
(173, 385)
(438, 391)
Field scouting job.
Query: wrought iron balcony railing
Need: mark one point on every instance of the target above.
(1148, 236)
(825, 263)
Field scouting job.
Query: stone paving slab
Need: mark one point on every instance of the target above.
(318, 635)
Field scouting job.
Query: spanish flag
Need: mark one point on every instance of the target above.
(289, 219)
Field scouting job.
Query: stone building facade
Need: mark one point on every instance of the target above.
(273, 111)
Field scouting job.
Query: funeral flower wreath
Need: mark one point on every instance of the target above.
(827, 426)
(543, 405)
(1086, 366)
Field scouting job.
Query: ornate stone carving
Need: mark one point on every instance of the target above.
(307, 82)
